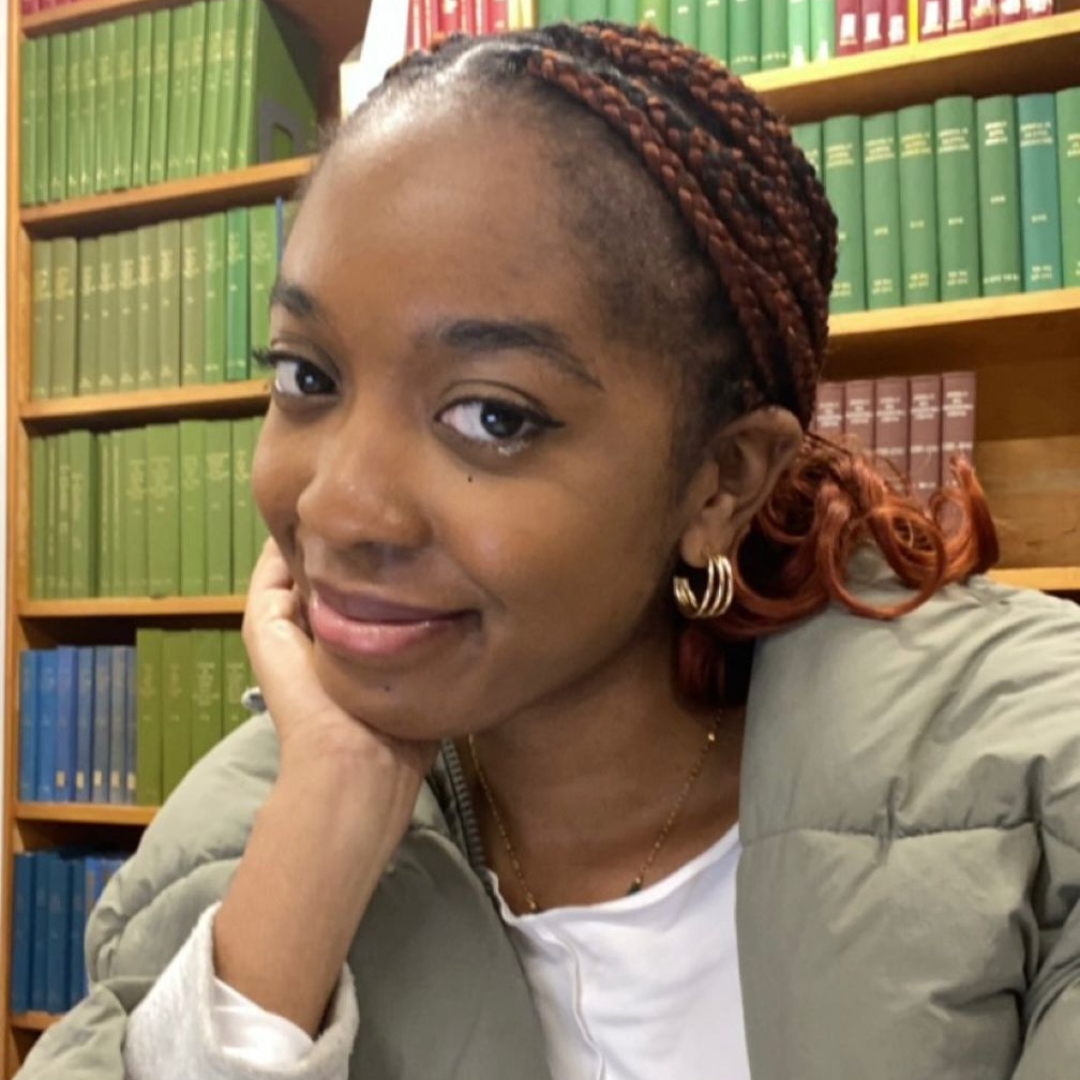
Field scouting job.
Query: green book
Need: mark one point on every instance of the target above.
(106, 532)
(168, 282)
(41, 345)
(219, 508)
(842, 144)
(243, 530)
(208, 674)
(957, 197)
(808, 139)
(176, 709)
(999, 196)
(88, 112)
(713, 29)
(27, 129)
(193, 302)
(58, 116)
(1040, 205)
(179, 90)
(193, 523)
(214, 281)
(196, 74)
(823, 29)
(684, 21)
(65, 317)
(41, 120)
(143, 96)
(279, 76)
(118, 539)
(150, 681)
(84, 505)
(232, 17)
(553, 11)
(262, 268)
(108, 314)
(918, 205)
(74, 110)
(800, 40)
(237, 295)
(774, 36)
(161, 86)
(127, 330)
(1068, 133)
(656, 13)
(881, 212)
(260, 531)
(88, 316)
(744, 17)
(149, 336)
(584, 10)
(163, 509)
(39, 495)
(211, 106)
(235, 680)
(124, 116)
(622, 11)
(136, 551)
(63, 517)
(105, 105)
(52, 493)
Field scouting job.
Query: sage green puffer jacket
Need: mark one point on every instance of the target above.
(907, 897)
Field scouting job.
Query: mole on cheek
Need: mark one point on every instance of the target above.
(470, 479)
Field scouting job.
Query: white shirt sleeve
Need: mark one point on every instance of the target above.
(192, 1024)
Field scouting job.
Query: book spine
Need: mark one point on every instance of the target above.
(118, 539)
(872, 17)
(211, 106)
(160, 120)
(58, 115)
(150, 680)
(859, 414)
(219, 508)
(27, 107)
(124, 115)
(262, 270)
(193, 524)
(88, 113)
(956, 17)
(774, 36)
(258, 526)
(52, 486)
(142, 96)
(235, 661)
(744, 18)
(179, 90)
(1038, 9)
(499, 16)
(39, 495)
(925, 397)
(215, 283)
(800, 45)
(1068, 133)
(580, 11)
(823, 28)
(41, 344)
(881, 227)
(99, 778)
(84, 725)
(148, 334)
(65, 317)
(243, 530)
(918, 205)
(713, 28)
(206, 692)
(983, 14)
(46, 725)
(59, 934)
(848, 38)
(105, 91)
(238, 295)
(41, 120)
(89, 264)
(77, 986)
(896, 17)
(28, 728)
(176, 710)
(163, 509)
(63, 518)
(84, 526)
(684, 20)
(74, 108)
(39, 955)
(842, 144)
(999, 196)
(117, 724)
(196, 72)
(193, 302)
(931, 19)
(22, 932)
(1039, 196)
(127, 327)
(106, 585)
(233, 16)
(108, 367)
(957, 421)
(808, 138)
(250, 31)
(957, 197)
(136, 569)
(64, 764)
(168, 282)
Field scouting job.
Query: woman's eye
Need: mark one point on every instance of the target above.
(297, 378)
(496, 424)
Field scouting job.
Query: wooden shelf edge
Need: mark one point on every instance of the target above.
(85, 813)
(1051, 579)
(130, 607)
(34, 1021)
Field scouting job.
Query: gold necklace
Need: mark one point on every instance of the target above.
(638, 882)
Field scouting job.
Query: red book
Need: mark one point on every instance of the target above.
(415, 40)
(499, 15)
(873, 25)
(46, 5)
(828, 419)
(892, 418)
(481, 16)
(925, 395)
(848, 40)
(956, 17)
(896, 16)
(957, 432)
(1036, 9)
(29, 7)
(983, 14)
(931, 19)
(1010, 11)
(468, 16)
(429, 21)
(450, 21)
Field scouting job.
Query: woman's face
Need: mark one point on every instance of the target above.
(453, 430)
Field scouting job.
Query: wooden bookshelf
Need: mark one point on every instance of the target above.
(86, 813)
(1062, 580)
(172, 607)
(34, 1021)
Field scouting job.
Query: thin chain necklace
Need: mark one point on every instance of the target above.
(639, 881)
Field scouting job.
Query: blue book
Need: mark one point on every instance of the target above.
(77, 983)
(99, 775)
(57, 977)
(64, 781)
(23, 927)
(28, 728)
(118, 724)
(132, 714)
(47, 672)
(39, 967)
(84, 725)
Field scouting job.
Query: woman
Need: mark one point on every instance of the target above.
(566, 614)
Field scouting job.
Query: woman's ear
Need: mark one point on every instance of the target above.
(741, 466)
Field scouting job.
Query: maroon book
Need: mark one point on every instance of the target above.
(957, 418)
(415, 39)
(29, 7)
(46, 5)
(1010, 11)
(931, 19)
(429, 22)
(847, 27)
(873, 25)
(983, 14)
(896, 15)
(450, 17)
(499, 15)
(925, 464)
(859, 414)
(892, 419)
(956, 17)
(829, 411)
(1036, 9)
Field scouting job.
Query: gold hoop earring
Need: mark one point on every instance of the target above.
(719, 591)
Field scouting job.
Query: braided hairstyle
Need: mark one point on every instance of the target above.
(730, 281)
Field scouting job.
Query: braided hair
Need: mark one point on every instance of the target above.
(748, 219)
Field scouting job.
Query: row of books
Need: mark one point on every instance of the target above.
(914, 424)
(164, 95)
(954, 200)
(32, 7)
(936, 18)
(116, 724)
(165, 510)
(54, 894)
(179, 303)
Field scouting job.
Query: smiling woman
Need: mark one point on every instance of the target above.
(567, 616)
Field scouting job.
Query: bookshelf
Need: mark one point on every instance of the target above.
(1026, 349)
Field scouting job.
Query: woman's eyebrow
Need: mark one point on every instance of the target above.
(296, 300)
